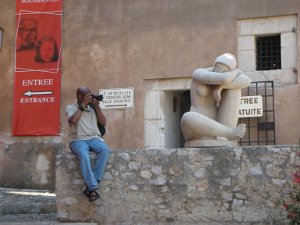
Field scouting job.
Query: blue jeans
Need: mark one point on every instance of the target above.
(91, 175)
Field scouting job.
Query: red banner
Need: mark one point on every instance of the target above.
(37, 67)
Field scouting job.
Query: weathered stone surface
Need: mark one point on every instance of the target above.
(182, 186)
(30, 165)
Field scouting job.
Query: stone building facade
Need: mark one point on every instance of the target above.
(153, 47)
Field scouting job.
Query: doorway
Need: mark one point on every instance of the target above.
(177, 103)
(166, 100)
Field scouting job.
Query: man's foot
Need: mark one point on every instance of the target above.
(93, 195)
(86, 192)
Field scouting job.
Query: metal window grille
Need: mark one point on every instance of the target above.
(268, 52)
(260, 130)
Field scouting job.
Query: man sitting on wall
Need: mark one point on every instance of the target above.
(83, 117)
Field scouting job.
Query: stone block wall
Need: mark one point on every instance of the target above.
(28, 163)
(239, 185)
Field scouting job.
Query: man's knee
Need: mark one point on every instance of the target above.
(103, 149)
(106, 151)
(83, 155)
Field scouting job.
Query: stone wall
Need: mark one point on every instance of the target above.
(241, 185)
(151, 46)
(29, 163)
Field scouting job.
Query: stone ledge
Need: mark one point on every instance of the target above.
(210, 143)
(44, 223)
(234, 185)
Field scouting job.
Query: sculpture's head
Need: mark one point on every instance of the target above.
(225, 62)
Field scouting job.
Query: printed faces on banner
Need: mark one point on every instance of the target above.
(38, 43)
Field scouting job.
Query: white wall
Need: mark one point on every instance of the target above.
(161, 124)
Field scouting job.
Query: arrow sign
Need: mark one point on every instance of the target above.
(31, 93)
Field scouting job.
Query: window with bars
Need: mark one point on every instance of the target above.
(268, 52)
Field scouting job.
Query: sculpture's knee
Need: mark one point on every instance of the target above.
(196, 126)
(186, 126)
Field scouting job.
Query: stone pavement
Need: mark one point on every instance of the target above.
(29, 207)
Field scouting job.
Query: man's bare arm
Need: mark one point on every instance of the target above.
(100, 116)
(85, 101)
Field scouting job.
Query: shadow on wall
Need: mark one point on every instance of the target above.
(28, 165)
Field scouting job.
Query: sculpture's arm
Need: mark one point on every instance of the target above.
(207, 76)
(240, 81)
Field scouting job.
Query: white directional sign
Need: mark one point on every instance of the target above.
(117, 98)
(251, 106)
